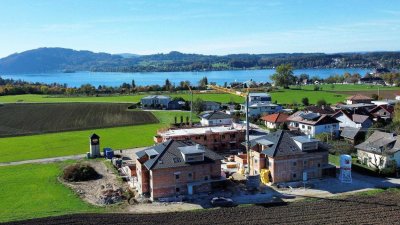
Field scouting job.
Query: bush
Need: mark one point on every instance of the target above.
(79, 172)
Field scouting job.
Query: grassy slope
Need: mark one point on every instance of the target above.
(77, 142)
(32, 191)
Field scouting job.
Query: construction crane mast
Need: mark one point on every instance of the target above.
(246, 96)
(191, 103)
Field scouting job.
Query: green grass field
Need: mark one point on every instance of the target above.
(117, 98)
(349, 87)
(289, 96)
(77, 142)
(32, 191)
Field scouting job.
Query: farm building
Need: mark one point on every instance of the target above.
(175, 168)
(155, 101)
(218, 138)
(380, 150)
(286, 156)
(313, 123)
(358, 98)
(215, 118)
(273, 121)
(176, 105)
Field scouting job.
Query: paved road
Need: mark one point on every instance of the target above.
(62, 158)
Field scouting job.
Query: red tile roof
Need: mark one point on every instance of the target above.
(275, 118)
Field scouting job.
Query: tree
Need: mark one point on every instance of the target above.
(396, 114)
(133, 86)
(305, 101)
(198, 105)
(167, 86)
(283, 76)
(203, 83)
(321, 102)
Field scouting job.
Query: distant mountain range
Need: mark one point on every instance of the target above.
(44, 60)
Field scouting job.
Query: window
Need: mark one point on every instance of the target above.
(309, 127)
(255, 161)
(205, 138)
(302, 126)
(206, 178)
(176, 176)
(319, 165)
(294, 175)
(294, 163)
(305, 162)
(190, 175)
(233, 135)
(177, 189)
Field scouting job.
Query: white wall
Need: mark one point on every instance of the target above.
(205, 122)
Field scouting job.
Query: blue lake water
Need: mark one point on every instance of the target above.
(117, 78)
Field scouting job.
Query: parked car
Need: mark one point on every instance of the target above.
(222, 202)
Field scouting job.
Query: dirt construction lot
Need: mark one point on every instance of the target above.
(369, 208)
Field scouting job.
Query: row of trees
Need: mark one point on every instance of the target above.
(17, 87)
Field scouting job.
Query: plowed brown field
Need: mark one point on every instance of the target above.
(23, 119)
(382, 208)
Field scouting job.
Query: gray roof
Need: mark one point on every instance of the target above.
(211, 103)
(350, 132)
(169, 155)
(360, 118)
(259, 94)
(192, 149)
(379, 142)
(304, 139)
(283, 144)
(215, 115)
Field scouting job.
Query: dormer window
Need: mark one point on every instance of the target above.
(193, 153)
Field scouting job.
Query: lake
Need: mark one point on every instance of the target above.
(117, 78)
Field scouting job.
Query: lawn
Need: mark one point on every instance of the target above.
(77, 142)
(115, 98)
(349, 87)
(290, 96)
(32, 191)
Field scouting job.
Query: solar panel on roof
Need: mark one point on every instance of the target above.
(310, 116)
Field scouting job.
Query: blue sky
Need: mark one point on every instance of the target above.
(200, 26)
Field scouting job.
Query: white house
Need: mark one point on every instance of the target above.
(380, 150)
(348, 119)
(215, 118)
(155, 101)
(273, 121)
(313, 123)
(260, 103)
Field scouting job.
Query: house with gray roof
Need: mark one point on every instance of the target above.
(313, 123)
(380, 150)
(287, 156)
(176, 168)
(352, 135)
(215, 118)
(211, 106)
(155, 102)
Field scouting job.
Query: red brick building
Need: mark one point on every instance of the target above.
(220, 139)
(176, 168)
(288, 156)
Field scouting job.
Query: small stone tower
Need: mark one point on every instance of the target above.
(94, 146)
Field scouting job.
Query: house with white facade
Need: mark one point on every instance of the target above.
(380, 150)
(313, 123)
(155, 101)
(215, 118)
(273, 121)
(348, 119)
(358, 98)
(260, 103)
